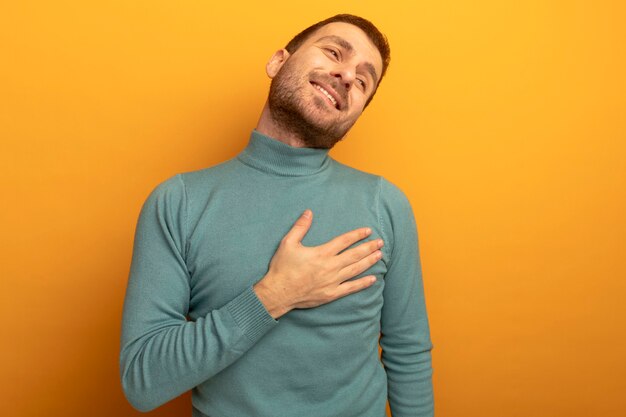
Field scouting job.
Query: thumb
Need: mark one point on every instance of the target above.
(300, 227)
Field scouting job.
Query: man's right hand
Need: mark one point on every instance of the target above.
(305, 277)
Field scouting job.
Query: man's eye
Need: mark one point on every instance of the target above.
(335, 54)
(362, 83)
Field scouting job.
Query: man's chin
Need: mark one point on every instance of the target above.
(315, 124)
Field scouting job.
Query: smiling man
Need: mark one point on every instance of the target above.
(236, 293)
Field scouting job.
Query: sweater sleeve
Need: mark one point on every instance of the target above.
(162, 353)
(405, 334)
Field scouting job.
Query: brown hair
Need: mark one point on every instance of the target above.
(378, 39)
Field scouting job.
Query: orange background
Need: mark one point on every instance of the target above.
(504, 123)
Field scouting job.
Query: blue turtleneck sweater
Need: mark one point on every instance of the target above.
(192, 321)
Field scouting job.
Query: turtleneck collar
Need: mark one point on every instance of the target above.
(275, 157)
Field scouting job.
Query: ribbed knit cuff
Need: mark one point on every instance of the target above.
(250, 314)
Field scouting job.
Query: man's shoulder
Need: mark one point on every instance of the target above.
(177, 185)
(208, 173)
(386, 188)
(347, 172)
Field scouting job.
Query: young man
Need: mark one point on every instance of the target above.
(235, 292)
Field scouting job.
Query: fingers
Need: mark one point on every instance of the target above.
(300, 228)
(353, 255)
(341, 242)
(350, 287)
(356, 268)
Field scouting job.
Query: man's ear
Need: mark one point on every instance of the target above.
(276, 62)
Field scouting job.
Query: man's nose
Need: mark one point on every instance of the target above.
(345, 75)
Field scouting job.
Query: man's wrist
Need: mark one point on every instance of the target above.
(272, 303)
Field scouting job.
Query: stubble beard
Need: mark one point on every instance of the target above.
(292, 113)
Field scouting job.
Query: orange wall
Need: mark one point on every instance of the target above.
(504, 122)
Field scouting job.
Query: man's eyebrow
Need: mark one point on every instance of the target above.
(349, 48)
(339, 41)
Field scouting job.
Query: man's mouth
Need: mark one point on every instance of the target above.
(328, 95)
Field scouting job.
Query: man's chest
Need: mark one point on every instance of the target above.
(237, 232)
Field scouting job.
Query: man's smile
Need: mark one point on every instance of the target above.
(329, 93)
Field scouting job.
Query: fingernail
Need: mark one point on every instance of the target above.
(380, 243)
(307, 213)
(368, 230)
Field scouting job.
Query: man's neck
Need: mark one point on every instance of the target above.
(268, 126)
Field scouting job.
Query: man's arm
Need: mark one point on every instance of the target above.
(162, 354)
(405, 338)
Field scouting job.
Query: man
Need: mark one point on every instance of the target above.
(237, 293)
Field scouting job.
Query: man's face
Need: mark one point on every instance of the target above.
(321, 89)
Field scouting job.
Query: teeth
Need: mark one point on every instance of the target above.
(327, 94)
